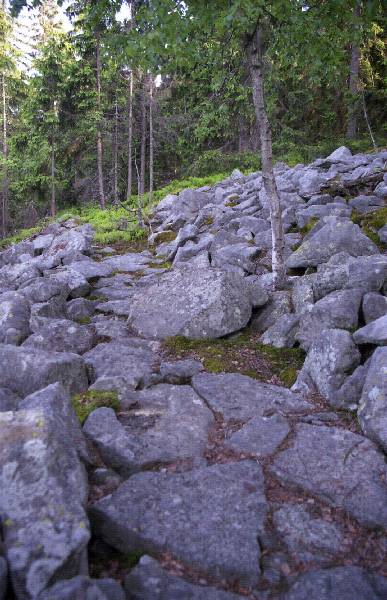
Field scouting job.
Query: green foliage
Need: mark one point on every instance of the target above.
(371, 223)
(240, 353)
(85, 403)
(215, 161)
(21, 235)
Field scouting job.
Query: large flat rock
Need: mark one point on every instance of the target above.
(210, 518)
(193, 302)
(167, 423)
(342, 468)
(43, 494)
(26, 370)
(373, 403)
(239, 397)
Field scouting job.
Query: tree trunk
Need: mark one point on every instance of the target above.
(143, 138)
(255, 55)
(151, 138)
(353, 105)
(115, 155)
(130, 136)
(101, 192)
(53, 190)
(5, 190)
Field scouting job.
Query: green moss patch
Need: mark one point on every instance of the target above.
(83, 320)
(165, 237)
(164, 265)
(371, 223)
(309, 226)
(243, 354)
(85, 403)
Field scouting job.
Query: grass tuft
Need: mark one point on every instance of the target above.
(85, 403)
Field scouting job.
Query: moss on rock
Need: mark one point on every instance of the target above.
(85, 403)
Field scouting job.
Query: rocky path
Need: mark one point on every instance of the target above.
(181, 483)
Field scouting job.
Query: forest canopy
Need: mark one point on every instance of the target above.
(119, 98)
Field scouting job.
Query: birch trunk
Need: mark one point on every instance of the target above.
(53, 190)
(5, 188)
(255, 52)
(101, 192)
(151, 139)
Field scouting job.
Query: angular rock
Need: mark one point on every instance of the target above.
(84, 588)
(278, 305)
(69, 242)
(91, 270)
(134, 364)
(8, 400)
(26, 370)
(209, 518)
(196, 303)
(128, 263)
(331, 359)
(44, 312)
(11, 255)
(345, 272)
(342, 154)
(373, 333)
(167, 423)
(75, 281)
(3, 578)
(338, 310)
(308, 538)
(180, 371)
(149, 581)
(348, 395)
(329, 240)
(79, 309)
(342, 468)
(283, 333)
(239, 397)
(373, 403)
(44, 289)
(258, 294)
(43, 494)
(56, 403)
(374, 306)
(340, 583)
(63, 336)
(260, 436)
(14, 318)
(382, 233)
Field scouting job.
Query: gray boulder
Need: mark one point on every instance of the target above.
(79, 309)
(332, 238)
(14, 318)
(69, 242)
(331, 359)
(280, 304)
(373, 333)
(210, 518)
(43, 289)
(134, 363)
(374, 306)
(11, 255)
(282, 334)
(8, 400)
(43, 494)
(26, 370)
(373, 403)
(180, 371)
(341, 468)
(345, 272)
(382, 233)
(128, 263)
(149, 581)
(84, 588)
(63, 336)
(308, 538)
(166, 424)
(238, 397)
(339, 583)
(342, 154)
(338, 310)
(260, 436)
(56, 403)
(91, 270)
(196, 303)
(76, 283)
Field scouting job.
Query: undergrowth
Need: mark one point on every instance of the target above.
(85, 403)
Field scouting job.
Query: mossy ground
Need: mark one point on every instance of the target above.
(242, 353)
(85, 403)
(371, 223)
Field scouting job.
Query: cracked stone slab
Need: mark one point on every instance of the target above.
(341, 468)
(43, 495)
(63, 335)
(132, 363)
(240, 397)
(310, 539)
(149, 581)
(26, 370)
(210, 518)
(260, 436)
(167, 423)
(340, 583)
(373, 403)
(373, 333)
